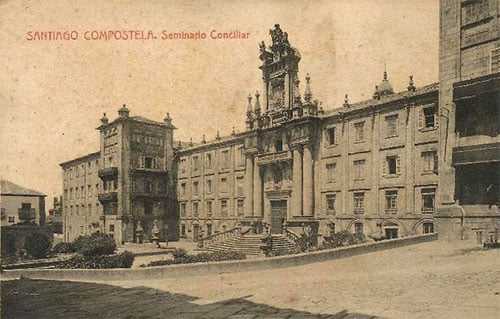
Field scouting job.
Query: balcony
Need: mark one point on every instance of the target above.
(274, 157)
(107, 173)
(108, 197)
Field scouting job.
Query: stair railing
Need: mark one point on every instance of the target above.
(291, 235)
(218, 237)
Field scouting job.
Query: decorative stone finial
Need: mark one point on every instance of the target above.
(179, 145)
(308, 93)
(123, 112)
(346, 101)
(203, 139)
(104, 119)
(217, 137)
(249, 106)
(376, 96)
(411, 85)
(233, 132)
(190, 141)
(168, 119)
(257, 104)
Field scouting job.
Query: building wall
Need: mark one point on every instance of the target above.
(207, 176)
(11, 204)
(81, 206)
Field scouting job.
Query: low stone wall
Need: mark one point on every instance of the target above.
(198, 269)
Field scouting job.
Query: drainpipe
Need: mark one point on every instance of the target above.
(447, 117)
(462, 221)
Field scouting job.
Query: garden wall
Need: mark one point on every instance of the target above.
(217, 267)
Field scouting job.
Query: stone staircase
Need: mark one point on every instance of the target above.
(250, 244)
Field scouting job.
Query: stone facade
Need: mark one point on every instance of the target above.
(125, 188)
(469, 98)
(19, 204)
(370, 167)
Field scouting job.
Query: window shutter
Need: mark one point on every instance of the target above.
(325, 138)
(336, 137)
(420, 118)
(435, 163)
(398, 165)
(142, 162)
(436, 117)
(385, 164)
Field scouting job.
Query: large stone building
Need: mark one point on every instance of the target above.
(469, 101)
(369, 167)
(124, 189)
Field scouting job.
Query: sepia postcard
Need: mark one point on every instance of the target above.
(250, 159)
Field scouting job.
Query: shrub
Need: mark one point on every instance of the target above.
(185, 258)
(8, 244)
(179, 253)
(97, 244)
(37, 245)
(343, 238)
(64, 248)
(122, 260)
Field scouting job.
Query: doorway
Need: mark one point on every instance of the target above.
(278, 216)
(196, 232)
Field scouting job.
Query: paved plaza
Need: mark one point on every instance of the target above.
(430, 280)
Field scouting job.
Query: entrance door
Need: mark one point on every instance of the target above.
(278, 216)
(196, 232)
(391, 233)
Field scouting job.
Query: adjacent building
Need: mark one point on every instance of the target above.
(21, 205)
(469, 75)
(124, 188)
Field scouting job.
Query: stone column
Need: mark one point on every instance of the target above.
(296, 200)
(257, 190)
(307, 190)
(249, 186)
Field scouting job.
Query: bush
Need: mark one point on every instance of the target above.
(185, 258)
(97, 244)
(64, 248)
(37, 245)
(122, 260)
(179, 253)
(8, 244)
(343, 238)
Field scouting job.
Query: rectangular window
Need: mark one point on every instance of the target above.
(196, 209)
(359, 169)
(209, 207)
(239, 186)
(196, 163)
(391, 162)
(89, 191)
(473, 11)
(330, 136)
(359, 129)
(391, 198)
(12, 219)
(183, 230)
(429, 162)
(392, 125)
(239, 207)
(183, 189)
(224, 161)
(428, 228)
(359, 202)
(196, 188)
(330, 172)
(429, 114)
(278, 145)
(209, 186)
(208, 160)
(182, 209)
(358, 228)
(241, 157)
(223, 207)
(428, 200)
(183, 165)
(148, 187)
(330, 203)
(223, 185)
(111, 228)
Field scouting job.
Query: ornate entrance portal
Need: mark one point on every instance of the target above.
(278, 215)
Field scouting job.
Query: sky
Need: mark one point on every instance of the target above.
(53, 93)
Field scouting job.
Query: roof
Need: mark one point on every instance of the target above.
(86, 156)
(145, 120)
(9, 188)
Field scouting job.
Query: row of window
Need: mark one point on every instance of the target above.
(81, 192)
(208, 160)
(80, 170)
(147, 139)
(391, 200)
(209, 186)
(223, 208)
(428, 119)
(390, 232)
(391, 166)
(81, 209)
